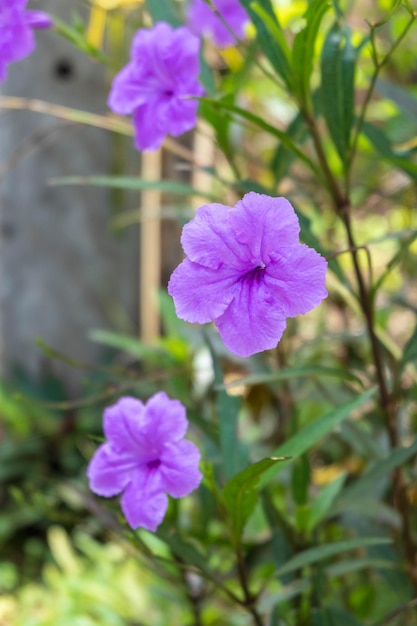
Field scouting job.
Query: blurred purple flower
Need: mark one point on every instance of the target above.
(158, 84)
(204, 21)
(247, 271)
(17, 40)
(145, 457)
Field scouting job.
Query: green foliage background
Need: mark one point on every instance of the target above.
(307, 512)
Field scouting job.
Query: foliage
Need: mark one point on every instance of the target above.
(306, 514)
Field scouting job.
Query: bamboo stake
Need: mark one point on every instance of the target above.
(150, 248)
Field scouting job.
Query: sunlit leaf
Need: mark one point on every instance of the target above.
(270, 37)
(303, 48)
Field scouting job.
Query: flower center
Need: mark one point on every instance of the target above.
(153, 464)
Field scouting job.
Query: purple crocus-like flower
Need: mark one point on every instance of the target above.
(158, 84)
(145, 457)
(247, 271)
(17, 40)
(204, 21)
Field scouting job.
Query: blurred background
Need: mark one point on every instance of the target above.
(84, 317)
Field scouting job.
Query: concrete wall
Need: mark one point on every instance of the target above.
(62, 272)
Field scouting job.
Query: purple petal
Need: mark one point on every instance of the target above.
(17, 40)
(147, 135)
(179, 468)
(126, 93)
(164, 420)
(263, 225)
(122, 423)
(208, 240)
(38, 19)
(201, 294)
(180, 114)
(149, 41)
(142, 507)
(253, 322)
(297, 277)
(109, 472)
(184, 59)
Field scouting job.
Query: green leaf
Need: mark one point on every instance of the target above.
(402, 97)
(322, 503)
(76, 33)
(319, 553)
(289, 373)
(113, 339)
(283, 157)
(355, 565)
(185, 551)
(228, 407)
(410, 350)
(133, 183)
(284, 138)
(240, 494)
(364, 487)
(337, 88)
(300, 480)
(270, 37)
(303, 49)
(312, 433)
(279, 53)
(405, 243)
(163, 11)
(333, 616)
(382, 145)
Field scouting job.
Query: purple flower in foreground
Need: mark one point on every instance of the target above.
(145, 457)
(17, 40)
(204, 21)
(158, 84)
(247, 271)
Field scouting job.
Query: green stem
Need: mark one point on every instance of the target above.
(249, 600)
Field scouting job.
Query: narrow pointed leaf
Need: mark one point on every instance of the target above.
(321, 506)
(337, 89)
(383, 147)
(270, 37)
(364, 487)
(289, 373)
(410, 350)
(312, 433)
(241, 494)
(284, 138)
(303, 48)
(319, 553)
(133, 183)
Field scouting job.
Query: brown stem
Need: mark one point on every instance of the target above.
(387, 404)
(386, 400)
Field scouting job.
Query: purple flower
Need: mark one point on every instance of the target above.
(17, 40)
(158, 84)
(145, 457)
(204, 21)
(247, 271)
